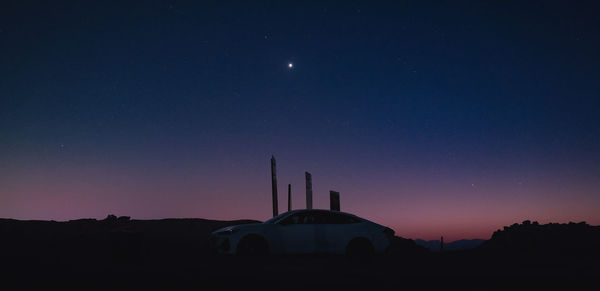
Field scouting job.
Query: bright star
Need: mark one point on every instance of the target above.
(290, 65)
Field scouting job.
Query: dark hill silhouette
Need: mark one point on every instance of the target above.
(568, 251)
(101, 241)
(553, 238)
(146, 253)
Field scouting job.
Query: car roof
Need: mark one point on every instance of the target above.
(322, 210)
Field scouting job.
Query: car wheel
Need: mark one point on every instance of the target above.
(360, 247)
(252, 245)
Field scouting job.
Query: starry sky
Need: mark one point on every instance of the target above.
(439, 118)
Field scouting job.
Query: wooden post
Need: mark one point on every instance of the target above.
(289, 197)
(274, 186)
(334, 200)
(308, 190)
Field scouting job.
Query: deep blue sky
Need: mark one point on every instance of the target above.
(441, 117)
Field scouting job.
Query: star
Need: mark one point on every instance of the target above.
(290, 65)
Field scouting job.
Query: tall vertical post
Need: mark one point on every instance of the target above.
(274, 186)
(442, 244)
(308, 190)
(334, 200)
(289, 197)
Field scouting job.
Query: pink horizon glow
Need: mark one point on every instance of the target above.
(443, 207)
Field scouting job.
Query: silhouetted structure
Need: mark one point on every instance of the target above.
(289, 197)
(442, 244)
(334, 200)
(274, 186)
(308, 190)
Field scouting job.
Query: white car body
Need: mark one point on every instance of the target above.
(306, 232)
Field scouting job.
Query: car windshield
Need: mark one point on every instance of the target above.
(315, 217)
(276, 218)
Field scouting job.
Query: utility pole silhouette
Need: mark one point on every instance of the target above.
(334, 200)
(274, 186)
(308, 177)
(289, 197)
(442, 244)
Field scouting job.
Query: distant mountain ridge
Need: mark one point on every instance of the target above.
(463, 244)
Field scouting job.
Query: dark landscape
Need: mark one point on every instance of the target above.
(459, 245)
(439, 122)
(175, 252)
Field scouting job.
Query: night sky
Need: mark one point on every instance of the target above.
(445, 118)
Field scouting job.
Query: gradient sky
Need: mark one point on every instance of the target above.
(445, 118)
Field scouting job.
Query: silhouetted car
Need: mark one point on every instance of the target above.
(305, 232)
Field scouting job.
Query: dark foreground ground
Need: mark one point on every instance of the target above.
(174, 254)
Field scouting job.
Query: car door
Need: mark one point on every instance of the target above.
(334, 231)
(297, 234)
(323, 228)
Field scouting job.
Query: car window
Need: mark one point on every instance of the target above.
(311, 218)
(298, 218)
(346, 219)
(333, 218)
(275, 218)
(318, 217)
